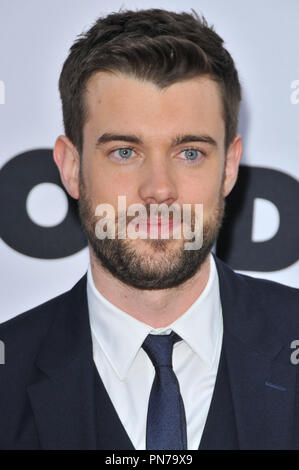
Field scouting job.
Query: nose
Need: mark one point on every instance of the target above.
(157, 183)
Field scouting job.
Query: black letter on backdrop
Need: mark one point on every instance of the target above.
(235, 245)
(17, 177)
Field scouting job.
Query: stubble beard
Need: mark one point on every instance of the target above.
(158, 263)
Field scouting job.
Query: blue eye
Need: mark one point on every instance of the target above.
(125, 152)
(191, 154)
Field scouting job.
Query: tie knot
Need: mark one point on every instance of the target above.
(159, 348)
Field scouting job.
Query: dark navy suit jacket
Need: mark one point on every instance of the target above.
(49, 400)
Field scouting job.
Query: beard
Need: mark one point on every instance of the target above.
(156, 263)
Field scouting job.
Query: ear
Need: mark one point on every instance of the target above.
(232, 162)
(67, 160)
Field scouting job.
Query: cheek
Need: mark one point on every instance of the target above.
(204, 186)
(201, 190)
(105, 185)
(204, 190)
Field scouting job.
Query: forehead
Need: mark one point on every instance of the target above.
(120, 102)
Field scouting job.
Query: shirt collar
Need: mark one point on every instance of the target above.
(120, 336)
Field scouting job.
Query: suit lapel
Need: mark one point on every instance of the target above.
(66, 398)
(63, 398)
(63, 405)
(261, 376)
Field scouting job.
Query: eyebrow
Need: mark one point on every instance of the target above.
(179, 139)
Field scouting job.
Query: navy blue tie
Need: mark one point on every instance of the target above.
(166, 422)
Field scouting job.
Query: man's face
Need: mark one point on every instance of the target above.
(153, 171)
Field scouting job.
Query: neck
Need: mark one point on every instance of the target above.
(157, 308)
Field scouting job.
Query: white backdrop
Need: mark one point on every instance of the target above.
(35, 35)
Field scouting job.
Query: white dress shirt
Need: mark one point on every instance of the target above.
(127, 372)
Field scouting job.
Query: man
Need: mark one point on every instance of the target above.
(157, 346)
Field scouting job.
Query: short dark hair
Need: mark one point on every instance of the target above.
(156, 45)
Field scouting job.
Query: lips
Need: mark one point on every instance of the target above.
(160, 222)
(158, 227)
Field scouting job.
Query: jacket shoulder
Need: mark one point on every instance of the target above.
(271, 291)
(254, 301)
(262, 287)
(24, 332)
